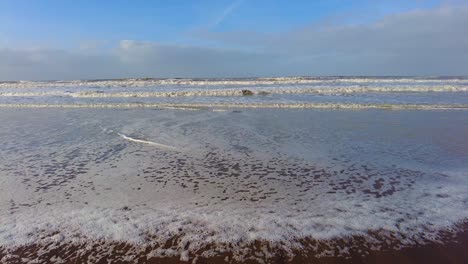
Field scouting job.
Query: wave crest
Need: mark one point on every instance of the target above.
(145, 82)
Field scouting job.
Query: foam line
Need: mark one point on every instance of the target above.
(159, 145)
(139, 140)
(196, 106)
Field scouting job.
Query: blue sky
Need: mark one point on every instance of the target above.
(66, 22)
(275, 34)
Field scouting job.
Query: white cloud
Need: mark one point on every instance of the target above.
(421, 42)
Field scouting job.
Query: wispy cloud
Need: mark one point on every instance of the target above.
(228, 10)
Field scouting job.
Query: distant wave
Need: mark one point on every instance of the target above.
(195, 106)
(216, 82)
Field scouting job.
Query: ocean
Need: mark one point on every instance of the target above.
(237, 169)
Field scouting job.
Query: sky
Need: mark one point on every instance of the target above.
(65, 39)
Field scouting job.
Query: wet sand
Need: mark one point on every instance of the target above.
(454, 250)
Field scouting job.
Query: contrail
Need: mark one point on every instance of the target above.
(227, 11)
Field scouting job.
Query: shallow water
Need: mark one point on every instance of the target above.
(227, 178)
(132, 165)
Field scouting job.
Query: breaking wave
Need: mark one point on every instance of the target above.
(243, 92)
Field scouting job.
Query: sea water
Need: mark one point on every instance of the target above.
(221, 171)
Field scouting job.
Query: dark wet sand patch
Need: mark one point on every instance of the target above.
(454, 250)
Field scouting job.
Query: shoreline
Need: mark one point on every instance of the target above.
(453, 250)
